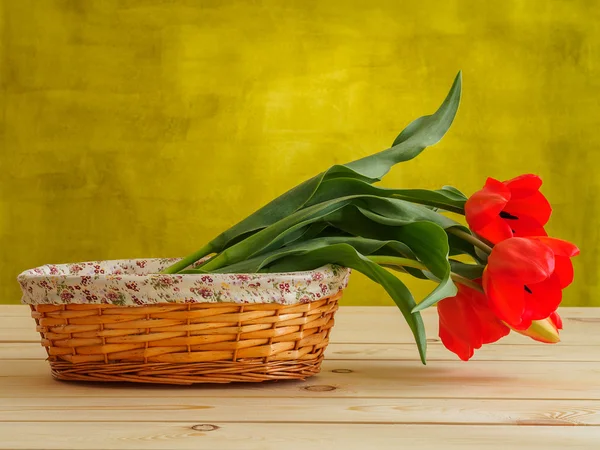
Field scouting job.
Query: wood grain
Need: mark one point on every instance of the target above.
(383, 379)
(181, 408)
(251, 436)
(18, 350)
(435, 352)
(371, 393)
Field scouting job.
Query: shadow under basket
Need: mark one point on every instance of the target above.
(186, 343)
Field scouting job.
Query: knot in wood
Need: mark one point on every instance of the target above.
(205, 427)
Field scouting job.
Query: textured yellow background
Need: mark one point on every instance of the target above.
(142, 128)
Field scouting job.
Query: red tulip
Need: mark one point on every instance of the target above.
(466, 322)
(525, 276)
(513, 208)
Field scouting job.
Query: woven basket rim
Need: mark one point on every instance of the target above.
(44, 270)
(134, 282)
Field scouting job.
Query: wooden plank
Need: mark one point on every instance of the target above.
(15, 311)
(386, 325)
(17, 328)
(9, 350)
(533, 351)
(18, 335)
(17, 323)
(358, 379)
(330, 410)
(254, 436)
(373, 325)
(435, 352)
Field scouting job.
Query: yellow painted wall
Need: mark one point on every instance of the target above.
(142, 128)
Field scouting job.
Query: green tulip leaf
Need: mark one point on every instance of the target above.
(342, 187)
(387, 211)
(419, 134)
(347, 256)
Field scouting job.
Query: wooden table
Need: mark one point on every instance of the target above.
(371, 393)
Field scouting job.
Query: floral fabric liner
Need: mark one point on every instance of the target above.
(133, 282)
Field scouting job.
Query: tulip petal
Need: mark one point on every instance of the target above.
(524, 185)
(535, 206)
(492, 329)
(486, 204)
(495, 231)
(455, 313)
(559, 246)
(463, 349)
(506, 298)
(544, 298)
(563, 268)
(525, 227)
(466, 323)
(523, 259)
(556, 320)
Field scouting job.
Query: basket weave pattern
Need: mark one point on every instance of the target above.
(186, 343)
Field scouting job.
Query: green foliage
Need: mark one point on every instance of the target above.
(340, 217)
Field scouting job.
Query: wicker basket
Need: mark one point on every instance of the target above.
(181, 342)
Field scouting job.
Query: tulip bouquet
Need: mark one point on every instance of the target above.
(500, 273)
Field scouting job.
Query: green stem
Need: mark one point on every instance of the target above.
(454, 209)
(406, 262)
(397, 261)
(471, 239)
(465, 281)
(185, 262)
(215, 263)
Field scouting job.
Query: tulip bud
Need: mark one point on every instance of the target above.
(544, 330)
